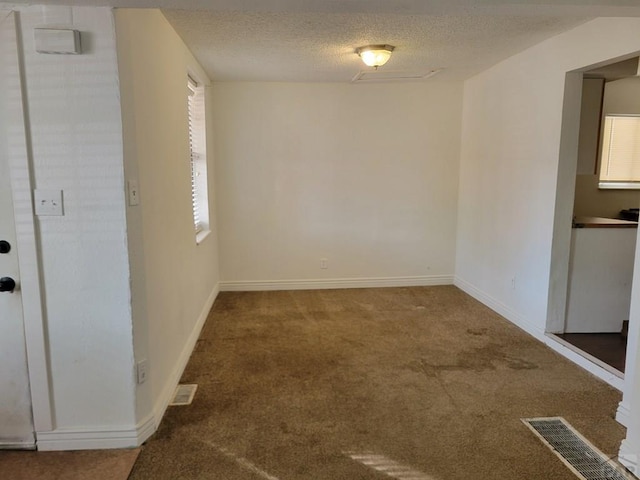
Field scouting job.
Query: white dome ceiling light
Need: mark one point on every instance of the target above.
(375, 55)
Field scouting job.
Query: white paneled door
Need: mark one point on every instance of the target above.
(16, 419)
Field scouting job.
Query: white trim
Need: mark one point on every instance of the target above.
(146, 427)
(586, 355)
(628, 456)
(17, 446)
(124, 436)
(166, 396)
(28, 259)
(334, 283)
(623, 414)
(619, 185)
(201, 235)
(197, 74)
(96, 438)
(551, 341)
(500, 308)
(585, 361)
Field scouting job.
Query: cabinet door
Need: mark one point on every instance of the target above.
(590, 114)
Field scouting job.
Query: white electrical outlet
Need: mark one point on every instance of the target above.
(142, 371)
(324, 263)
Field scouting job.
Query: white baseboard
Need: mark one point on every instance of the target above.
(628, 456)
(623, 414)
(552, 342)
(97, 438)
(166, 395)
(128, 437)
(146, 427)
(500, 308)
(17, 446)
(88, 439)
(334, 283)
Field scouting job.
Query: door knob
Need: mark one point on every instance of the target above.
(5, 247)
(7, 284)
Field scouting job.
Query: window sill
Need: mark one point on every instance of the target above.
(200, 236)
(604, 185)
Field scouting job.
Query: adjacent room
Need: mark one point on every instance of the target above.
(358, 227)
(605, 218)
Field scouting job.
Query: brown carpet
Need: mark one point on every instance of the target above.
(79, 465)
(292, 382)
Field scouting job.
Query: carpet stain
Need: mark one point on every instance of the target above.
(489, 357)
(290, 380)
(477, 331)
(470, 363)
(520, 364)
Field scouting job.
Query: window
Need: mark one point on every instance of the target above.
(198, 157)
(620, 159)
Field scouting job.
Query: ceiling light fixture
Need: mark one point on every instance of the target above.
(375, 55)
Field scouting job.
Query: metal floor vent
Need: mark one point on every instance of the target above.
(183, 395)
(585, 460)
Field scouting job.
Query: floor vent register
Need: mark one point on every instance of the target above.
(183, 395)
(577, 453)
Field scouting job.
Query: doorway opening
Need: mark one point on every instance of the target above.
(593, 270)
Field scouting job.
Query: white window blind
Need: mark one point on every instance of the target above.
(197, 154)
(620, 159)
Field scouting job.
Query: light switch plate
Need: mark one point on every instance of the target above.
(142, 371)
(48, 202)
(134, 193)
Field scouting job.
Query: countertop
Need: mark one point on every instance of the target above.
(599, 222)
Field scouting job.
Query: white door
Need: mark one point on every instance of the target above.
(16, 422)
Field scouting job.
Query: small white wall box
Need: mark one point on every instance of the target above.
(57, 41)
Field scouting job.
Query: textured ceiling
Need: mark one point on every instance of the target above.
(314, 40)
(320, 46)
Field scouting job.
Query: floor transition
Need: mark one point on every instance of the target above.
(611, 348)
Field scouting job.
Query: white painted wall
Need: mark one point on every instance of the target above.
(301, 178)
(510, 167)
(517, 180)
(120, 283)
(76, 133)
(174, 281)
(362, 175)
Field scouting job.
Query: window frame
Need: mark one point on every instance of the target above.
(606, 149)
(197, 143)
